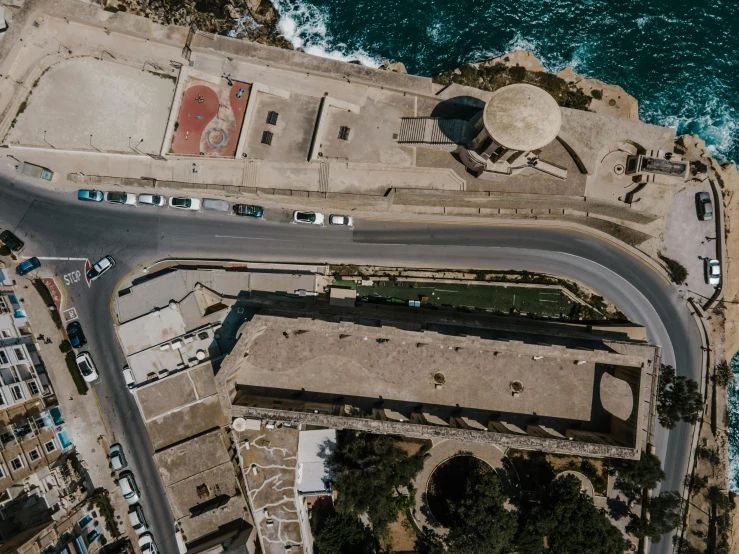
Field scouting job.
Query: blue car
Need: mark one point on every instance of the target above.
(76, 336)
(28, 266)
(90, 195)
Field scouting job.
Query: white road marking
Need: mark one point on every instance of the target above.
(252, 238)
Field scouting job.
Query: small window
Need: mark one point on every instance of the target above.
(50, 447)
(272, 118)
(6, 333)
(17, 393)
(2, 472)
(33, 387)
(16, 463)
(34, 454)
(19, 354)
(2, 399)
(344, 132)
(267, 138)
(3, 358)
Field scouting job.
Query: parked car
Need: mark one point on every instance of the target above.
(152, 200)
(249, 210)
(147, 545)
(136, 517)
(345, 220)
(704, 206)
(101, 267)
(117, 459)
(185, 203)
(28, 266)
(90, 195)
(11, 241)
(216, 205)
(76, 336)
(314, 218)
(129, 378)
(129, 488)
(86, 367)
(713, 272)
(120, 198)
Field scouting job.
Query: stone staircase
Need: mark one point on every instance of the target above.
(427, 131)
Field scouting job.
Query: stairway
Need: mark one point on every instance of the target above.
(432, 130)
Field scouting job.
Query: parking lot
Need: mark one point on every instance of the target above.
(689, 240)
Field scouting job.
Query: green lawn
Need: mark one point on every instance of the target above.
(541, 301)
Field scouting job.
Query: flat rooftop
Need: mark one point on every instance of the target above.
(201, 485)
(345, 359)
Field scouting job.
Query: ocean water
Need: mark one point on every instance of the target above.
(680, 58)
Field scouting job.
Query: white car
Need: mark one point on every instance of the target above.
(102, 266)
(86, 366)
(152, 200)
(137, 519)
(345, 220)
(313, 218)
(129, 488)
(183, 203)
(146, 544)
(117, 459)
(713, 272)
(121, 198)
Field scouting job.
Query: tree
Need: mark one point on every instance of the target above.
(723, 374)
(643, 473)
(481, 524)
(677, 398)
(366, 470)
(570, 522)
(664, 515)
(342, 534)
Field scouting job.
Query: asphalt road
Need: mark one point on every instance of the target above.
(54, 224)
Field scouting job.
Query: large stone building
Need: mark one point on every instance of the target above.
(546, 386)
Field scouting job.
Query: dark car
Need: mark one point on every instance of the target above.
(76, 336)
(704, 206)
(28, 266)
(248, 210)
(11, 241)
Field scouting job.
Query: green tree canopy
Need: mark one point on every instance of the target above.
(664, 515)
(342, 534)
(367, 470)
(677, 398)
(570, 522)
(637, 475)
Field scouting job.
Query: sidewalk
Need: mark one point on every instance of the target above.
(84, 423)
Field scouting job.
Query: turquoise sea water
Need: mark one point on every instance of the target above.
(679, 58)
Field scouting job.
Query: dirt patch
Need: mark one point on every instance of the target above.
(401, 537)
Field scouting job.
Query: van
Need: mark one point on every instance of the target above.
(128, 377)
(136, 517)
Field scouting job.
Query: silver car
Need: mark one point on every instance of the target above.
(152, 200)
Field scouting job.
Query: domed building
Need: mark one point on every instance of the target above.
(508, 134)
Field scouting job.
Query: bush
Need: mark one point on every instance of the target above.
(677, 271)
(597, 94)
(65, 346)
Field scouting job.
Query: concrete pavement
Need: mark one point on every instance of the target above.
(54, 224)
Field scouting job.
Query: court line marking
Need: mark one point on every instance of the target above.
(56, 258)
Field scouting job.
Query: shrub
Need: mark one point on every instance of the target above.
(597, 94)
(723, 374)
(677, 271)
(65, 346)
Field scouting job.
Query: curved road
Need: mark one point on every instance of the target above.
(54, 224)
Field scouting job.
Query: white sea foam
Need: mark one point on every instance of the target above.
(304, 25)
(733, 422)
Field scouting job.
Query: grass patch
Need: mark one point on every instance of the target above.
(495, 76)
(43, 291)
(79, 382)
(678, 272)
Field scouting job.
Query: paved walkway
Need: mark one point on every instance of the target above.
(441, 451)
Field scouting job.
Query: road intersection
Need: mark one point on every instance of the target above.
(65, 233)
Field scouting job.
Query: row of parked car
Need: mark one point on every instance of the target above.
(178, 202)
(196, 204)
(132, 495)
